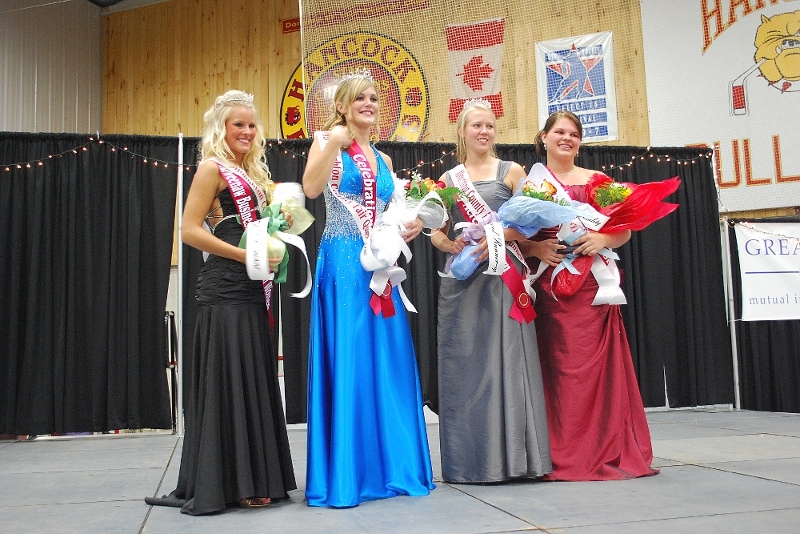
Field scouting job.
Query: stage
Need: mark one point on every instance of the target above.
(721, 471)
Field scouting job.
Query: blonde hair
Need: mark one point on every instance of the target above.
(213, 142)
(346, 93)
(550, 122)
(461, 145)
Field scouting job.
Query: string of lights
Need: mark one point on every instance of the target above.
(444, 159)
(279, 145)
(446, 155)
(9, 167)
(648, 153)
(748, 225)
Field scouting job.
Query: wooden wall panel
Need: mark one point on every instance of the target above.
(164, 63)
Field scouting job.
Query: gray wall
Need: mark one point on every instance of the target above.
(50, 66)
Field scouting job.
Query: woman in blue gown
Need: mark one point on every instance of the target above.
(366, 430)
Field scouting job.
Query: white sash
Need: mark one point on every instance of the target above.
(477, 209)
(604, 267)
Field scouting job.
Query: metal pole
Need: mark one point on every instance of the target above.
(731, 313)
(179, 311)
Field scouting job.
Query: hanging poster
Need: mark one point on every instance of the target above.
(577, 74)
(726, 75)
(769, 261)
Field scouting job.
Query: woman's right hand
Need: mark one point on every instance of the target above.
(457, 246)
(320, 161)
(340, 136)
(547, 251)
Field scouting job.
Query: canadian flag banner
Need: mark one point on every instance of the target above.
(475, 56)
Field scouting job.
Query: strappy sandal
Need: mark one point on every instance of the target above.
(254, 502)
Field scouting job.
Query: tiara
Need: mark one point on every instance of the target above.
(236, 97)
(360, 72)
(477, 101)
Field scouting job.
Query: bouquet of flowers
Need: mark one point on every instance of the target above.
(265, 239)
(630, 206)
(418, 187)
(625, 206)
(428, 200)
(538, 203)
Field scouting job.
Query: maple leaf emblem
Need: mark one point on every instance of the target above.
(475, 71)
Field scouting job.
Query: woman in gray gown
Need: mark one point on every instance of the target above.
(492, 418)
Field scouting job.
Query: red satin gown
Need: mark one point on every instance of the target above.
(595, 415)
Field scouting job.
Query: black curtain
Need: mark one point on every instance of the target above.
(84, 259)
(85, 263)
(768, 351)
(675, 315)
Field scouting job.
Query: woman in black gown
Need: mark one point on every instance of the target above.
(235, 450)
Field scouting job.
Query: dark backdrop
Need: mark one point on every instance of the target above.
(84, 261)
(85, 257)
(675, 315)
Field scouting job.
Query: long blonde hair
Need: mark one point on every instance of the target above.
(213, 142)
(461, 144)
(346, 93)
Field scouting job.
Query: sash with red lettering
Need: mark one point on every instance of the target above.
(244, 193)
(476, 211)
(364, 214)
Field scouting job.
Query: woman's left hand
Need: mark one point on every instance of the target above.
(288, 217)
(590, 243)
(413, 228)
(482, 250)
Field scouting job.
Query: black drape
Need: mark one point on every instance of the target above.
(768, 351)
(673, 276)
(84, 259)
(85, 263)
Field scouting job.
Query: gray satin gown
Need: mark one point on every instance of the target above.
(492, 417)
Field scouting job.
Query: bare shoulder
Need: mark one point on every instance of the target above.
(581, 176)
(208, 174)
(514, 175)
(516, 170)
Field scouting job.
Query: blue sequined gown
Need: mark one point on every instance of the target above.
(366, 430)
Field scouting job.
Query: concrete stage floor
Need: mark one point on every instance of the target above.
(721, 471)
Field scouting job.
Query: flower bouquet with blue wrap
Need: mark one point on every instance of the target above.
(463, 264)
(538, 203)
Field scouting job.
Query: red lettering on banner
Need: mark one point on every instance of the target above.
(716, 13)
(299, 134)
(776, 152)
(402, 70)
(748, 167)
(741, 159)
(297, 90)
(290, 25)
(350, 47)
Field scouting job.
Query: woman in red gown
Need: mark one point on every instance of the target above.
(596, 419)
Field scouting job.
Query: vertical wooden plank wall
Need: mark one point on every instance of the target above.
(164, 63)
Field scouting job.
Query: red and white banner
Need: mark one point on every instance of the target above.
(475, 57)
